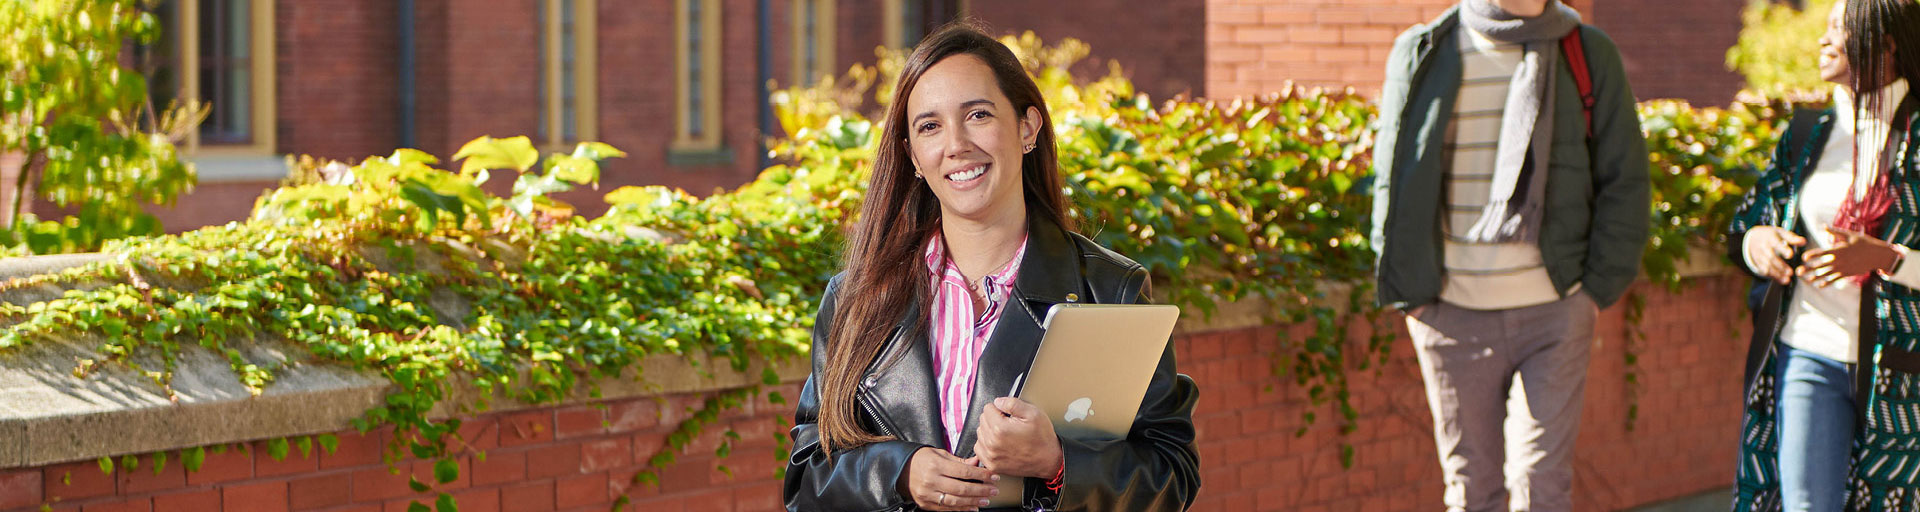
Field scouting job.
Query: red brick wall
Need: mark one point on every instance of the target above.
(1256, 46)
(490, 71)
(433, 22)
(568, 459)
(1682, 444)
(582, 457)
(1671, 49)
(1676, 49)
(860, 28)
(210, 204)
(337, 77)
(1160, 45)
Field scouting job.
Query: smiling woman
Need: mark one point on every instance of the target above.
(1834, 369)
(963, 238)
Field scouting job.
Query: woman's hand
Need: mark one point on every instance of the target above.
(1017, 439)
(1769, 247)
(1853, 254)
(937, 480)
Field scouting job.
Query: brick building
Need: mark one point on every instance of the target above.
(1671, 49)
(678, 83)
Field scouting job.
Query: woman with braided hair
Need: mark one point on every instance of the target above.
(1833, 388)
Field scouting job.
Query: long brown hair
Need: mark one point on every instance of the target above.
(884, 275)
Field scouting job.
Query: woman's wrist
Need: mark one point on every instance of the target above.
(1059, 474)
(1899, 260)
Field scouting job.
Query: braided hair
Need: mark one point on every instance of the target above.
(1883, 44)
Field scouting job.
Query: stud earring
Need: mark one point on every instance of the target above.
(1029, 149)
(916, 175)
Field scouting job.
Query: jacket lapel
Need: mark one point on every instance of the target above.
(1436, 86)
(902, 382)
(1418, 160)
(1049, 274)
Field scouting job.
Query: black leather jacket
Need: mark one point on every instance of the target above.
(1154, 469)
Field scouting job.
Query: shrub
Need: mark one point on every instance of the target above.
(1779, 45)
(84, 124)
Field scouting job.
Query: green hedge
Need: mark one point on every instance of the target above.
(1777, 46)
(1258, 198)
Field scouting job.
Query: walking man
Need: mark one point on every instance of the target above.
(1510, 205)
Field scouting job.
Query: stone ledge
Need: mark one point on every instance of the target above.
(215, 168)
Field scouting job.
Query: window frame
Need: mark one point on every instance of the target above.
(261, 54)
(586, 74)
(824, 35)
(684, 140)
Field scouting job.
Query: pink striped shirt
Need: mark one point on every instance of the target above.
(957, 336)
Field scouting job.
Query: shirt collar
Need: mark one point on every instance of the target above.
(1890, 96)
(938, 262)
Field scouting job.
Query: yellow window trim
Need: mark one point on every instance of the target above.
(823, 39)
(586, 104)
(683, 139)
(891, 26)
(261, 42)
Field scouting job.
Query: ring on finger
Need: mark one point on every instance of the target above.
(943, 499)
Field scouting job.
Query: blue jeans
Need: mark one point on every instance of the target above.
(1816, 430)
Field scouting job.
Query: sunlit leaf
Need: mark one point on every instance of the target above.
(487, 153)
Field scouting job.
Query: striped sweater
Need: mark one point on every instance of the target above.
(1484, 275)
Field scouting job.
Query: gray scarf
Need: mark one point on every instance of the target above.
(1519, 183)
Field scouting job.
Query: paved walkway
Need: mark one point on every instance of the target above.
(1715, 501)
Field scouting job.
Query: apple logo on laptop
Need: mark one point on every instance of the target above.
(1079, 410)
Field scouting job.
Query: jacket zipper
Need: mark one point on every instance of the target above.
(866, 404)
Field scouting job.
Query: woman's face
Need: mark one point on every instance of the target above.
(1833, 47)
(967, 139)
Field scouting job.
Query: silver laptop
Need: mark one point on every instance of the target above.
(1092, 370)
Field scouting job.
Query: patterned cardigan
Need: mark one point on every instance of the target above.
(1885, 468)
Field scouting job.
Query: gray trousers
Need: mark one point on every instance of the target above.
(1505, 387)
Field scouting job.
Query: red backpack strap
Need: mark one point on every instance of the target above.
(1576, 55)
